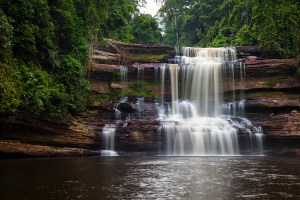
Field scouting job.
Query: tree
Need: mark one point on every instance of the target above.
(145, 29)
(276, 24)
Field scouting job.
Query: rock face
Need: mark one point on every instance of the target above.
(38, 136)
(281, 124)
(29, 135)
(272, 101)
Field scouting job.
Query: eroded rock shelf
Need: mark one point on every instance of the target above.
(272, 101)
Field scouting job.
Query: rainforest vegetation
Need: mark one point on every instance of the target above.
(273, 25)
(45, 45)
(45, 49)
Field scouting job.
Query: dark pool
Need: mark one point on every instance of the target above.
(240, 177)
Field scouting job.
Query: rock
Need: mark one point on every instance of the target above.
(251, 58)
(29, 128)
(280, 124)
(99, 87)
(117, 85)
(126, 107)
(33, 135)
(12, 147)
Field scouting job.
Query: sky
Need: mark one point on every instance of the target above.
(151, 8)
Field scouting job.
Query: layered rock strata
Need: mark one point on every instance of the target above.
(272, 101)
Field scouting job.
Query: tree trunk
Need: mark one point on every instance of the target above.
(129, 53)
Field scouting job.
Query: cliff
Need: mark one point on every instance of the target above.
(272, 101)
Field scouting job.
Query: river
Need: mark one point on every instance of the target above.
(239, 177)
(157, 177)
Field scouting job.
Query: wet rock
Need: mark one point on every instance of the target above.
(126, 107)
(280, 124)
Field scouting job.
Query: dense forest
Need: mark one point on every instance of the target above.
(273, 25)
(45, 46)
(45, 49)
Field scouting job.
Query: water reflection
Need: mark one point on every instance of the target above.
(151, 178)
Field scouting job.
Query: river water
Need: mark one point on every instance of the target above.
(239, 177)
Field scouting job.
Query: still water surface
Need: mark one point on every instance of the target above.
(243, 177)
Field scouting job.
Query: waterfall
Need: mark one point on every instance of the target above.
(117, 112)
(123, 79)
(109, 130)
(140, 107)
(200, 123)
(161, 108)
(174, 88)
(108, 133)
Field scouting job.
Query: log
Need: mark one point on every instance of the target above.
(129, 53)
(102, 55)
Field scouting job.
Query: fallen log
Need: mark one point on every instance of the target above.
(129, 53)
(103, 55)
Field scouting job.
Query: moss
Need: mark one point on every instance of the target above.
(149, 56)
(102, 98)
(267, 81)
(265, 94)
(269, 94)
(141, 89)
(272, 82)
(98, 98)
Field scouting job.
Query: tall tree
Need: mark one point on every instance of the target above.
(145, 29)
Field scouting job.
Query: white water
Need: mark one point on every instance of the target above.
(108, 132)
(199, 121)
(117, 112)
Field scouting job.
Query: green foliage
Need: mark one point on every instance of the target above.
(220, 41)
(6, 31)
(99, 98)
(277, 26)
(170, 36)
(44, 48)
(145, 29)
(272, 25)
(42, 56)
(45, 45)
(10, 93)
(71, 75)
(94, 14)
(117, 26)
(37, 86)
(140, 89)
(244, 36)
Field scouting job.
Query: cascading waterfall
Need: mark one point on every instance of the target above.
(117, 112)
(161, 108)
(140, 107)
(198, 123)
(108, 132)
(123, 77)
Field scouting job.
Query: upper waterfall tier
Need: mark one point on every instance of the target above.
(195, 55)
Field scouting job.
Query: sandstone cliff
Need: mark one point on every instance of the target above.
(272, 101)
